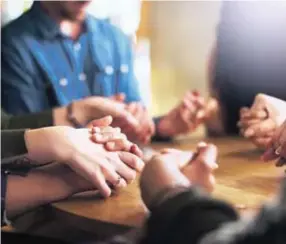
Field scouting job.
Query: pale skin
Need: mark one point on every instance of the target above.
(174, 168)
(163, 170)
(81, 150)
(276, 149)
(259, 122)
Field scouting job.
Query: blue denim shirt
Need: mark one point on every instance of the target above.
(43, 68)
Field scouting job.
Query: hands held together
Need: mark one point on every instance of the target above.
(192, 111)
(101, 155)
(259, 122)
(263, 125)
(171, 168)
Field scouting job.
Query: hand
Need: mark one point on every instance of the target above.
(92, 108)
(187, 116)
(147, 126)
(200, 169)
(164, 171)
(260, 121)
(110, 137)
(277, 148)
(259, 132)
(88, 159)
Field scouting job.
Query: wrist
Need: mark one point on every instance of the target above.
(46, 144)
(62, 180)
(33, 141)
(164, 127)
(158, 176)
(79, 113)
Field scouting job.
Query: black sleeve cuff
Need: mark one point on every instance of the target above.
(187, 216)
(13, 143)
(3, 197)
(32, 121)
(157, 137)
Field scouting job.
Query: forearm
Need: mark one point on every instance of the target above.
(83, 111)
(164, 178)
(40, 186)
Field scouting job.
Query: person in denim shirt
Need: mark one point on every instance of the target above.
(45, 64)
(56, 53)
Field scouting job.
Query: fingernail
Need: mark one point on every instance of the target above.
(133, 148)
(249, 133)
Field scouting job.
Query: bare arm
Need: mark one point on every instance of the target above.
(41, 186)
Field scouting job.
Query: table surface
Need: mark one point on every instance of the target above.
(242, 179)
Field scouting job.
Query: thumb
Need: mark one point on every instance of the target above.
(102, 122)
(259, 102)
(207, 155)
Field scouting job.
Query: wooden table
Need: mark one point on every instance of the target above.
(242, 179)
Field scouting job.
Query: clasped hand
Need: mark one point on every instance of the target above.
(259, 122)
(100, 154)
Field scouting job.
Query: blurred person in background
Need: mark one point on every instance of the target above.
(249, 58)
(55, 53)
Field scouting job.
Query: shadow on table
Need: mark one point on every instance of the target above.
(252, 154)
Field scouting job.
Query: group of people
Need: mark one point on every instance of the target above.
(69, 79)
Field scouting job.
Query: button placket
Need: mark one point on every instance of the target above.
(63, 82)
(124, 68)
(77, 46)
(82, 77)
(109, 70)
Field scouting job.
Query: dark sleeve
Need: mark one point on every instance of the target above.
(186, 216)
(32, 121)
(268, 226)
(12, 144)
(157, 137)
(3, 197)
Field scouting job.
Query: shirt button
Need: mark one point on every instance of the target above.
(109, 70)
(82, 77)
(77, 46)
(63, 82)
(124, 68)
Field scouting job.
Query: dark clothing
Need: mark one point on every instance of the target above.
(251, 55)
(31, 121)
(13, 148)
